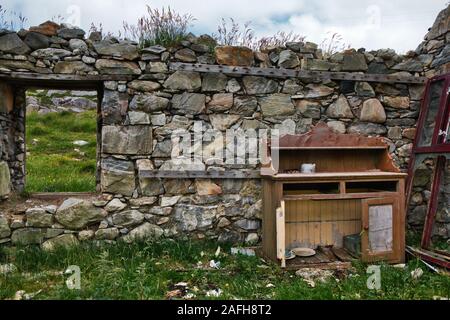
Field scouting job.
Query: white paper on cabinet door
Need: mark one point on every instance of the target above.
(380, 228)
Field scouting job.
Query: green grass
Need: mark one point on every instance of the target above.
(150, 270)
(52, 163)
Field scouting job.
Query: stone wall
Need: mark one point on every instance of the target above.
(436, 50)
(140, 114)
(12, 144)
(436, 45)
(48, 101)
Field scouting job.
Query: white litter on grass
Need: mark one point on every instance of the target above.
(181, 284)
(311, 275)
(7, 268)
(244, 251)
(189, 296)
(217, 252)
(29, 296)
(440, 298)
(310, 282)
(214, 264)
(270, 285)
(416, 273)
(214, 293)
(19, 295)
(22, 295)
(80, 143)
(399, 266)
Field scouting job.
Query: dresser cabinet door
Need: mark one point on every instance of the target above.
(380, 239)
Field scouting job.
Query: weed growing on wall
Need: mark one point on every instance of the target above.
(159, 26)
(11, 20)
(231, 33)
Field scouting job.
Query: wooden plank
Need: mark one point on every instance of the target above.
(307, 260)
(269, 241)
(431, 253)
(322, 257)
(61, 195)
(341, 254)
(337, 265)
(331, 148)
(289, 73)
(6, 98)
(340, 175)
(338, 196)
(281, 235)
(228, 174)
(64, 77)
(430, 256)
(321, 223)
(327, 250)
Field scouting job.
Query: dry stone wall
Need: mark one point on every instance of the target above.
(140, 111)
(49, 101)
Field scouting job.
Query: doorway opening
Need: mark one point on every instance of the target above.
(61, 131)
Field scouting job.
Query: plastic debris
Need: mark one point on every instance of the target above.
(181, 284)
(80, 143)
(7, 268)
(19, 295)
(29, 296)
(440, 298)
(214, 293)
(189, 296)
(214, 264)
(22, 295)
(416, 273)
(244, 251)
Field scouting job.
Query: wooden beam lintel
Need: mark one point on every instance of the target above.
(30, 76)
(302, 74)
(229, 174)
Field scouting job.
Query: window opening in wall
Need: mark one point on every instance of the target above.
(61, 140)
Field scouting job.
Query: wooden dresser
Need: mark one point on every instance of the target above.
(356, 192)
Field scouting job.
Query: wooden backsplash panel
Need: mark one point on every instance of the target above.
(310, 223)
(331, 160)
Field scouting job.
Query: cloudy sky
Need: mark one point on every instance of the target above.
(372, 24)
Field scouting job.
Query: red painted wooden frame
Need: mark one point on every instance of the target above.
(438, 147)
(433, 205)
(441, 120)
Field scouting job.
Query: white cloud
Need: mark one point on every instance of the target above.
(371, 24)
